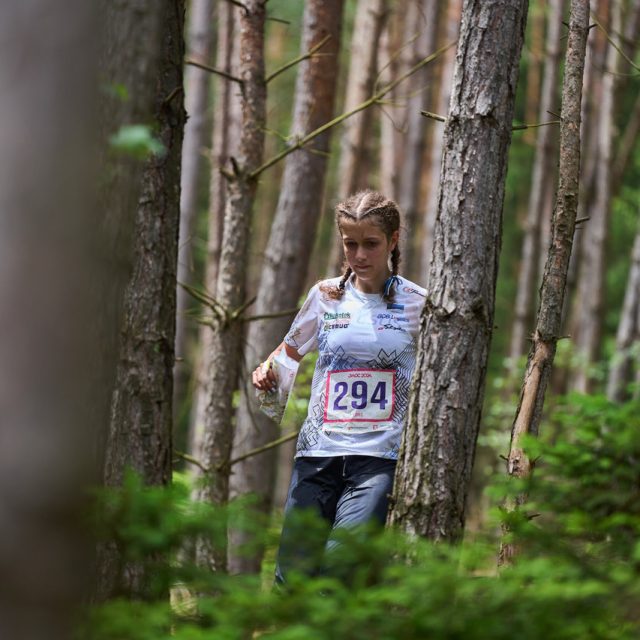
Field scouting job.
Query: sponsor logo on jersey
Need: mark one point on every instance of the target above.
(337, 316)
(395, 305)
(412, 290)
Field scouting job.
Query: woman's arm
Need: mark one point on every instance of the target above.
(263, 377)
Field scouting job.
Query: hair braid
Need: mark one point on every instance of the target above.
(345, 276)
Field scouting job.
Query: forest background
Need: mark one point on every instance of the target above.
(108, 280)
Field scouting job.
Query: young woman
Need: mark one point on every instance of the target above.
(364, 326)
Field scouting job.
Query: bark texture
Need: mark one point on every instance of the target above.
(53, 274)
(223, 353)
(363, 69)
(542, 183)
(549, 317)
(284, 273)
(197, 84)
(141, 409)
(436, 457)
(622, 365)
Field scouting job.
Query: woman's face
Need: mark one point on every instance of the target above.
(366, 249)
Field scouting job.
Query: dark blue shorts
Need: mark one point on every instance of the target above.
(344, 491)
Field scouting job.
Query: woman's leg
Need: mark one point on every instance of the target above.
(364, 501)
(316, 485)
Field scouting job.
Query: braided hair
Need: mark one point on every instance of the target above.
(384, 213)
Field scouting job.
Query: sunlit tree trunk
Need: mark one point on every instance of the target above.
(549, 317)
(56, 277)
(591, 287)
(284, 273)
(225, 133)
(200, 41)
(356, 130)
(141, 409)
(420, 90)
(621, 373)
(436, 456)
(542, 182)
(446, 77)
(223, 353)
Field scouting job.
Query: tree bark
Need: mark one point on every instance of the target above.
(284, 273)
(542, 182)
(197, 84)
(548, 327)
(436, 457)
(420, 93)
(437, 139)
(363, 69)
(141, 409)
(225, 133)
(621, 374)
(54, 272)
(591, 285)
(223, 353)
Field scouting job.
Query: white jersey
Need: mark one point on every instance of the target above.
(366, 356)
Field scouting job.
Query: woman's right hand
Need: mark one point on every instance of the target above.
(264, 377)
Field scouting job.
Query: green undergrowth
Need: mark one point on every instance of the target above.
(576, 574)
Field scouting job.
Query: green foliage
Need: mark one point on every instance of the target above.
(576, 575)
(136, 140)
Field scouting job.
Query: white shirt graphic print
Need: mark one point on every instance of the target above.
(366, 356)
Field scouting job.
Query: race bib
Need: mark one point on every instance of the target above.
(359, 400)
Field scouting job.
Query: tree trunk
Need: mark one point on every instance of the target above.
(356, 133)
(284, 273)
(548, 327)
(621, 374)
(196, 101)
(223, 353)
(141, 410)
(543, 181)
(535, 63)
(452, 31)
(436, 457)
(420, 92)
(391, 66)
(54, 272)
(591, 293)
(226, 130)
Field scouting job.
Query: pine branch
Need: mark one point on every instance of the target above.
(263, 448)
(613, 44)
(268, 316)
(515, 127)
(375, 98)
(218, 72)
(295, 61)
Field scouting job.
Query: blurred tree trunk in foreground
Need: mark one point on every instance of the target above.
(628, 337)
(549, 317)
(542, 184)
(224, 136)
(436, 457)
(287, 253)
(58, 279)
(141, 410)
(222, 359)
(197, 84)
(356, 131)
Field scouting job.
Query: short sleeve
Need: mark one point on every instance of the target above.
(303, 334)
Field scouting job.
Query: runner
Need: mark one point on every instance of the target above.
(364, 326)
